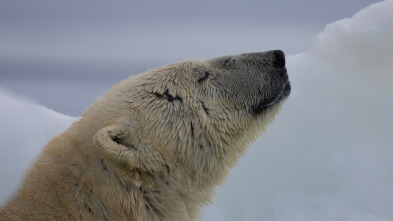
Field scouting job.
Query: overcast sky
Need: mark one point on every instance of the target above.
(107, 31)
(45, 13)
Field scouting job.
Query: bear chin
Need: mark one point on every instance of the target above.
(280, 96)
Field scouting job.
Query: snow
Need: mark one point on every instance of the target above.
(25, 128)
(328, 156)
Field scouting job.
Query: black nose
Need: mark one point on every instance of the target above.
(280, 58)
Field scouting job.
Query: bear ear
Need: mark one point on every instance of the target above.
(108, 140)
(112, 143)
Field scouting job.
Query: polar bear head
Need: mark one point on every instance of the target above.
(195, 116)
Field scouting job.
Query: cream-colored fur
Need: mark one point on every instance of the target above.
(156, 145)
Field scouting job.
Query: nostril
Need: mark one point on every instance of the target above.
(280, 58)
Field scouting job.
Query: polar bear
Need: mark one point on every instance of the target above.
(155, 146)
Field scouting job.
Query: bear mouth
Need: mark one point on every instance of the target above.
(266, 103)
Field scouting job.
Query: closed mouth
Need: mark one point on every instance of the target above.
(282, 94)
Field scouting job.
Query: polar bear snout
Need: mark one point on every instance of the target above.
(273, 81)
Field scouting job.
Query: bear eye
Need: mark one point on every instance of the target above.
(169, 97)
(204, 78)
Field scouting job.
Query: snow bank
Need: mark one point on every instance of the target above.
(25, 128)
